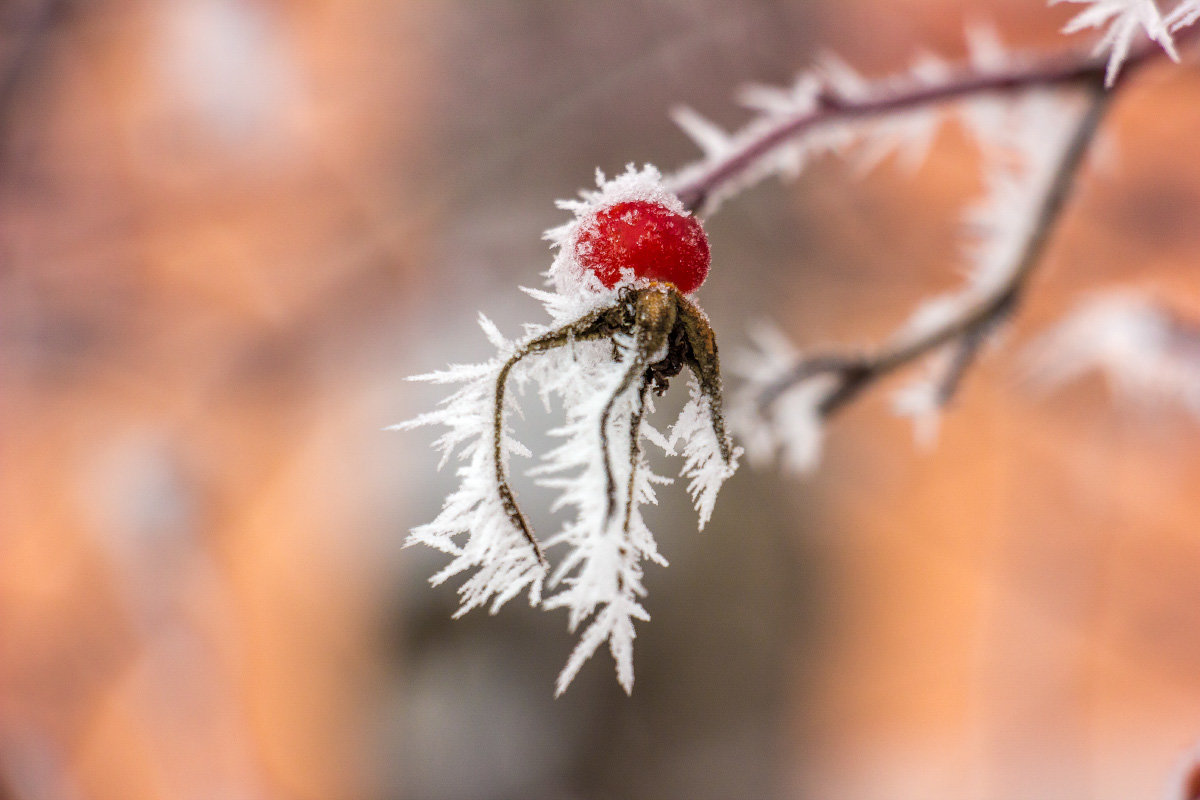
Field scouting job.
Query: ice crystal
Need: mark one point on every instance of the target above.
(869, 140)
(1123, 20)
(1183, 15)
(1146, 353)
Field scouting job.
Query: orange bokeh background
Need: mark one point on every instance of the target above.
(230, 228)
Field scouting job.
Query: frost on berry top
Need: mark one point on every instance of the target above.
(568, 274)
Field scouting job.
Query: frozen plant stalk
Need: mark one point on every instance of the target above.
(622, 325)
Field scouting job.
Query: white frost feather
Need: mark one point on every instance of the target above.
(1123, 20)
(703, 465)
(473, 525)
(1143, 351)
(1183, 15)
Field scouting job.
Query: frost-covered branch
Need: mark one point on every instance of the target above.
(789, 396)
(826, 109)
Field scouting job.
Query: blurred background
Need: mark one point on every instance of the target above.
(230, 228)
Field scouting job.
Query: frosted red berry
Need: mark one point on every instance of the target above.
(653, 241)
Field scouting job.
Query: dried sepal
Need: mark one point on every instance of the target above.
(605, 357)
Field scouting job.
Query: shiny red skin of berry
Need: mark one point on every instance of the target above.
(653, 241)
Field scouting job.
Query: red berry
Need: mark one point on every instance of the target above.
(648, 238)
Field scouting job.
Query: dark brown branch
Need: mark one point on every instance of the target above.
(696, 184)
(855, 372)
(965, 353)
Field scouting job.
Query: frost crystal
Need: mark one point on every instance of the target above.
(1124, 19)
(1145, 352)
(567, 274)
(584, 359)
(790, 427)
(1183, 15)
(868, 139)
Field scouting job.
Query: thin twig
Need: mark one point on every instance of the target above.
(696, 184)
(855, 372)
